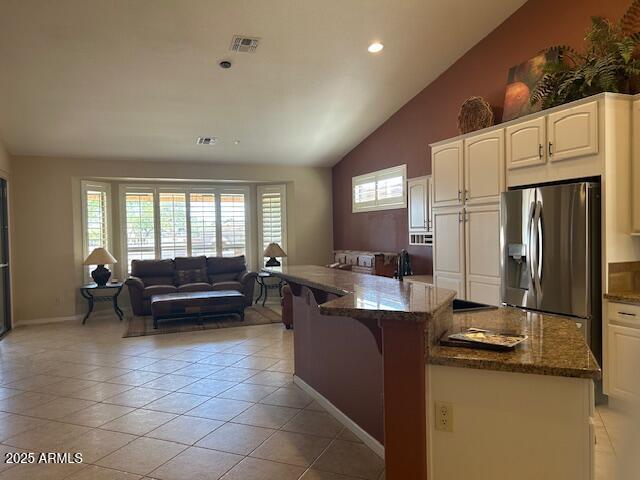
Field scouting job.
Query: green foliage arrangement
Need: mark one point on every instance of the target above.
(610, 62)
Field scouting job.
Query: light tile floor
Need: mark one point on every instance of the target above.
(198, 405)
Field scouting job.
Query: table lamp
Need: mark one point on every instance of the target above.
(100, 257)
(272, 251)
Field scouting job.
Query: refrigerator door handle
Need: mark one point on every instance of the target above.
(539, 247)
(530, 247)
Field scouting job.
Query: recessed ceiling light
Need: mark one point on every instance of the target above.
(236, 142)
(375, 47)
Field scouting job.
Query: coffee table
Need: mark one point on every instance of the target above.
(173, 306)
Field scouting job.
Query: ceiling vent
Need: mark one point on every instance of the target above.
(206, 140)
(244, 44)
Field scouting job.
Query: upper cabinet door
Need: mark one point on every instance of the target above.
(573, 132)
(417, 190)
(526, 144)
(484, 167)
(447, 171)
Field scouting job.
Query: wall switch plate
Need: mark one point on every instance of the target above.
(444, 416)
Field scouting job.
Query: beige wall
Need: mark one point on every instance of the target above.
(46, 235)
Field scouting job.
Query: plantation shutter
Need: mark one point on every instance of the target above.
(140, 224)
(173, 224)
(271, 217)
(233, 224)
(202, 219)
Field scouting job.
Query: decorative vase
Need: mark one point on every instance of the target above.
(101, 275)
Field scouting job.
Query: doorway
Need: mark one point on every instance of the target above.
(5, 278)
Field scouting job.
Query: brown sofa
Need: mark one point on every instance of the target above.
(187, 274)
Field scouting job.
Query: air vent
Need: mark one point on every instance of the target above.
(206, 140)
(244, 44)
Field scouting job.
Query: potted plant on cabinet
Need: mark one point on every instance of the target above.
(610, 63)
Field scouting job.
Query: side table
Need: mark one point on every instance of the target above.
(112, 291)
(266, 286)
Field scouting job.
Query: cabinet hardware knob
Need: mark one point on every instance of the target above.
(459, 194)
(627, 314)
(459, 217)
(550, 151)
(540, 151)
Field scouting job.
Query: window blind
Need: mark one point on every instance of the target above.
(96, 228)
(272, 217)
(202, 217)
(173, 224)
(380, 190)
(140, 225)
(233, 224)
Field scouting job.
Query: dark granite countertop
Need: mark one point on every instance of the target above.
(554, 345)
(624, 297)
(369, 296)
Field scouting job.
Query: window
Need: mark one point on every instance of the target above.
(272, 217)
(96, 214)
(202, 217)
(173, 224)
(140, 225)
(177, 221)
(233, 223)
(381, 190)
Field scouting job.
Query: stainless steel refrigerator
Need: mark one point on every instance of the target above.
(550, 239)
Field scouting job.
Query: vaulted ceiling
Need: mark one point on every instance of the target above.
(140, 79)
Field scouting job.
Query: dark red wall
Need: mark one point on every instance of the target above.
(432, 115)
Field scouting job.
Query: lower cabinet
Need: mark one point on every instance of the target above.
(466, 254)
(623, 352)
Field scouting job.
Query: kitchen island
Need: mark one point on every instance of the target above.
(366, 348)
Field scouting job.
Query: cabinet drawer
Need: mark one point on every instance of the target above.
(624, 313)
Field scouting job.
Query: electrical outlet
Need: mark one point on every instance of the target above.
(444, 416)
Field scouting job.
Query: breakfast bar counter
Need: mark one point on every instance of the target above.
(366, 348)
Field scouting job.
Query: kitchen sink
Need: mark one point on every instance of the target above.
(467, 306)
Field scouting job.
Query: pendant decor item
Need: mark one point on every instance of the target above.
(475, 114)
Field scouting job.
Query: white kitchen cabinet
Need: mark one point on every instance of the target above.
(482, 253)
(624, 358)
(447, 169)
(525, 144)
(484, 176)
(622, 355)
(420, 221)
(419, 211)
(449, 250)
(573, 132)
(635, 168)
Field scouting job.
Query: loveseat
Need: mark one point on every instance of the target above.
(187, 274)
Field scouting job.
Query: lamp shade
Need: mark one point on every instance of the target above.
(274, 250)
(100, 256)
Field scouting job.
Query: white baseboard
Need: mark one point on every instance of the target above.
(71, 318)
(336, 413)
(42, 321)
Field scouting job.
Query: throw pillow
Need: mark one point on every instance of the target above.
(191, 276)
